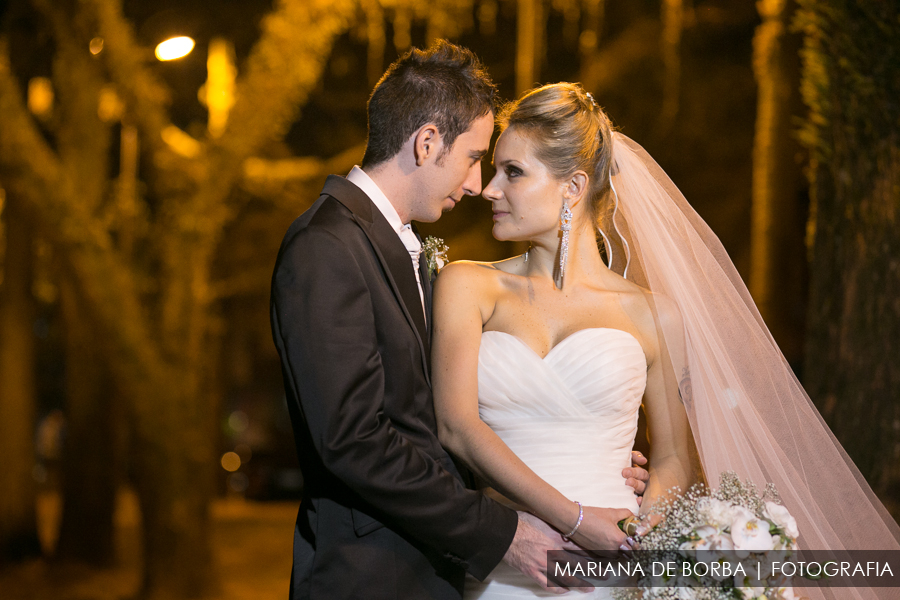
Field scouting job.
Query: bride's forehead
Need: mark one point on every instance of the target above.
(513, 143)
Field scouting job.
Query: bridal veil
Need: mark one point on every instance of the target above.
(748, 412)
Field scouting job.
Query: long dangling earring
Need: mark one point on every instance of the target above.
(565, 225)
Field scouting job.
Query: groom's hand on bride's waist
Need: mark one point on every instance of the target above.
(528, 553)
(635, 476)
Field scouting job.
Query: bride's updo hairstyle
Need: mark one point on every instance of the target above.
(569, 131)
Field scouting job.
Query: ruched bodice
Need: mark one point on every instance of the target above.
(570, 416)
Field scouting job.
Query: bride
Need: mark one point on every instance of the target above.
(541, 361)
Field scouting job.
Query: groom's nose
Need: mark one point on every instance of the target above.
(490, 192)
(472, 184)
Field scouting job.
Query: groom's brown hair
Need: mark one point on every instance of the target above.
(446, 85)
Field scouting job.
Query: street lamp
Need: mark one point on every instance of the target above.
(177, 47)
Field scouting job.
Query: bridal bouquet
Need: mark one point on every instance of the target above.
(717, 545)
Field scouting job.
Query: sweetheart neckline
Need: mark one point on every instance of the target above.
(565, 339)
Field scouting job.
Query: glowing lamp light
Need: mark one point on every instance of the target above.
(177, 47)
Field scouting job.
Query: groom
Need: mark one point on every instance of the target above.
(385, 513)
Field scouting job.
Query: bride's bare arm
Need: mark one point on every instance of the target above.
(463, 301)
(671, 444)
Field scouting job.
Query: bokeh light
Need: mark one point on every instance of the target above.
(96, 46)
(231, 462)
(182, 143)
(110, 107)
(174, 48)
(238, 482)
(40, 96)
(238, 421)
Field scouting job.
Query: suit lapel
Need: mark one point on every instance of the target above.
(401, 267)
(426, 288)
(391, 253)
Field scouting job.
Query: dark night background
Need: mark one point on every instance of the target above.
(134, 334)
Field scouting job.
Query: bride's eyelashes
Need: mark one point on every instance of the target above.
(512, 172)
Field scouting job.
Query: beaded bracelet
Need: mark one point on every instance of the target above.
(578, 524)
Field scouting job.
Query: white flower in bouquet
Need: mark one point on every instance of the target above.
(746, 577)
(712, 546)
(753, 593)
(718, 513)
(783, 542)
(786, 593)
(750, 533)
(697, 538)
(780, 516)
(711, 538)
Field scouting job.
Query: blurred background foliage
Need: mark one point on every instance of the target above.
(143, 202)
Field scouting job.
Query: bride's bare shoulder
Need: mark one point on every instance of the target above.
(654, 313)
(466, 286)
(462, 279)
(468, 273)
(472, 283)
(659, 310)
(644, 305)
(649, 311)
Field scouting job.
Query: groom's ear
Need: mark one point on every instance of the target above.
(426, 143)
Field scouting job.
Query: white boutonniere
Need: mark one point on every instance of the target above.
(435, 255)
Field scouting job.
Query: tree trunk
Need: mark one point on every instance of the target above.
(528, 43)
(175, 483)
(89, 469)
(851, 84)
(778, 262)
(670, 47)
(18, 523)
(173, 435)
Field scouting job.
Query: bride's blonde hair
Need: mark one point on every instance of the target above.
(570, 132)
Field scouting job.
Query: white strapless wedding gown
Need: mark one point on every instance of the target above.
(571, 417)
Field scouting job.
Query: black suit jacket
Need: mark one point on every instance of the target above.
(385, 513)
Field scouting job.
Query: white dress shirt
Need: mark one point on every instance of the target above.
(360, 179)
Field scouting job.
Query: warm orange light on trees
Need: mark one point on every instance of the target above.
(177, 47)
